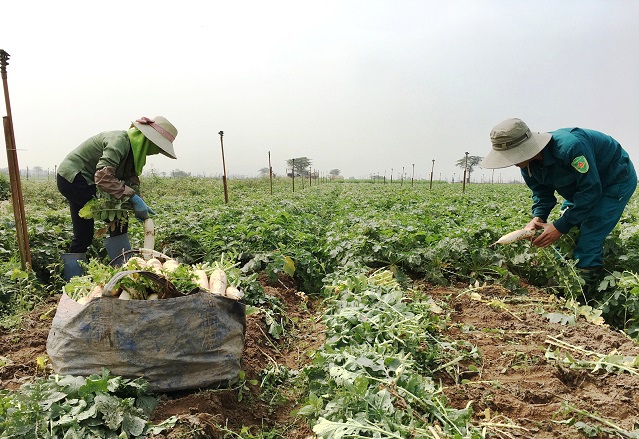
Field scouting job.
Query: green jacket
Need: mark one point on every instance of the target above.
(104, 160)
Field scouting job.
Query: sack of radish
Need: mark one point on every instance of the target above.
(153, 318)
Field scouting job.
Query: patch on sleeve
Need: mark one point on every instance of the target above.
(580, 164)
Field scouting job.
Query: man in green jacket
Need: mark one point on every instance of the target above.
(112, 162)
(589, 169)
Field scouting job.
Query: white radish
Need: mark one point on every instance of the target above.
(233, 293)
(149, 234)
(153, 296)
(124, 295)
(170, 265)
(511, 237)
(217, 282)
(96, 292)
(154, 263)
(135, 262)
(202, 279)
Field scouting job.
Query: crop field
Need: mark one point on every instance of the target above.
(374, 310)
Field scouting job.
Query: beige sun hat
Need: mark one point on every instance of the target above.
(513, 143)
(159, 131)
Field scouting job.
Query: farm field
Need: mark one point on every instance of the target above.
(374, 310)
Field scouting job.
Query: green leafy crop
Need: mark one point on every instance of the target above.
(78, 407)
(106, 207)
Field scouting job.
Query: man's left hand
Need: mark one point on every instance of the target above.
(548, 236)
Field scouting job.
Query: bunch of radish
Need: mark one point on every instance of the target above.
(215, 283)
(218, 284)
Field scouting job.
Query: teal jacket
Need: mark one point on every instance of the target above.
(580, 165)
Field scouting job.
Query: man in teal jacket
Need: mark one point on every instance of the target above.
(589, 169)
(111, 161)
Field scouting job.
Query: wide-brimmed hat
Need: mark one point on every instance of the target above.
(513, 143)
(159, 131)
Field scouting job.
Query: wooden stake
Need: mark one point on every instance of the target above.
(14, 171)
(465, 169)
(412, 178)
(226, 191)
(270, 171)
(431, 174)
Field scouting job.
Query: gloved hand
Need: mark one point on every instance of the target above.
(142, 211)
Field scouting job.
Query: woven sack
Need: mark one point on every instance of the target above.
(183, 341)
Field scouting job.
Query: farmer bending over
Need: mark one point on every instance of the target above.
(112, 161)
(589, 169)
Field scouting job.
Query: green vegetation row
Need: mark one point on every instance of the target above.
(442, 235)
(327, 237)
(374, 375)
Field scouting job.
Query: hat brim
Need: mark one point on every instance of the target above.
(166, 147)
(527, 150)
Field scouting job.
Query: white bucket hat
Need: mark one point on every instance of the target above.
(513, 143)
(159, 131)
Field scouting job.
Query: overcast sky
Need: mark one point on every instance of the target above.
(364, 86)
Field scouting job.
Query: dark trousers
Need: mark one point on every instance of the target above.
(78, 194)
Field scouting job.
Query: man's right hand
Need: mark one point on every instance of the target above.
(548, 237)
(535, 224)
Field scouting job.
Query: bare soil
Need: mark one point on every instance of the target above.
(515, 385)
(514, 389)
